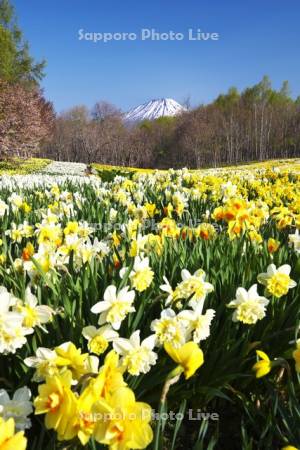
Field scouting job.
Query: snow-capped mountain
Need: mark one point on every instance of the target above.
(164, 107)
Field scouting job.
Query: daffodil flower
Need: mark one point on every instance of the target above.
(198, 322)
(71, 358)
(56, 400)
(99, 338)
(277, 281)
(19, 407)
(169, 290)
(189, 357)
(170, 328)
(137, 356)
(263, 366)
(115, 306)
(128, 423)
(296, 356)
(141, 275)
(294, 240)
(45, 363)
(8, 439)
(12, 330)
(35, 315)
(194, 287)
(249, 306)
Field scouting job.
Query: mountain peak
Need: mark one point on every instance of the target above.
(162, 107)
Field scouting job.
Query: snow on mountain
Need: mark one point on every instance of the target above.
(164, 107)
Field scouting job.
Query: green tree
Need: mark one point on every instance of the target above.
(16, 64)
(228, 101)
(285, 90)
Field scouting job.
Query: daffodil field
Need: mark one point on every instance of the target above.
(159, 310)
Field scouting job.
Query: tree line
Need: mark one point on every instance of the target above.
(256, 124)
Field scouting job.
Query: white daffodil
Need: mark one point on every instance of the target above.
(169, 290)
(15, 233)
(228, 190)
(3, 208)
(198, 322)
(13, 337)
(294, 239)
(277, 281)
(113, 213)
(16, 201)
(141, 275)
(194, 287)
(115, 306)
(12, 331)
(84, 229)
(46, 259)
(19, 407)
(97, 248)
(137, 356)
(99, 338)
(44, 362)
(7, 300)
(170, 328)
(35, 315)
(138, 245)
(249, 306)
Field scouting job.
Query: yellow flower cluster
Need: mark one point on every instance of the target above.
(102, 406)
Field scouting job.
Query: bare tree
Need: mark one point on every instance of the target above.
(104, 110)
(26, 118)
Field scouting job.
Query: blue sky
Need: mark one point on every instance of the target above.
(257, 37)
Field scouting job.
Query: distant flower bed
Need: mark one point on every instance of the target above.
(23, 166)
(108, 173)
(65, 168)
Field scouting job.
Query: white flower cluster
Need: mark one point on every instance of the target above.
(18, 319)
(65, 168)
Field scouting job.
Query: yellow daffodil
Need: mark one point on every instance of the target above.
(206, 231)
(263, 366)
(168, 210)
(71, 228)
(110, 375)
(123, 423)
(255, 237)
(189, 357)
(71, 358)
(84, 421)
(296, 356)
(58, 402)
(28, 252)
(169, 228)
(116, 239)
(8, 439)
(151, 209)
(25, 207)
(273, 245)
(2, 258)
